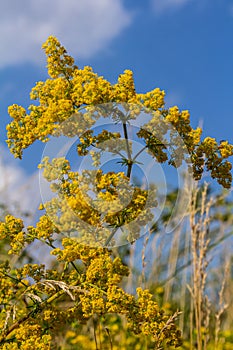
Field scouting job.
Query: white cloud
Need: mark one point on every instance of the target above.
(83, 26)
(161, 6)
(19, 192)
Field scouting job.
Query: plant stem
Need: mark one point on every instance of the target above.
(130, 162)
(129, 170)
(139, 152)
(110, 237)
(26, 317)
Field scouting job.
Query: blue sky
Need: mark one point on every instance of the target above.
(182, 46)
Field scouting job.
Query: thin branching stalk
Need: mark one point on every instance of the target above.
(199, 225)
(222, 306)
(184, 278)
(145, 243)
(94, 329)
(169, 322)
(172, 262)
(130, 163)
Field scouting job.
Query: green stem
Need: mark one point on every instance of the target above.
(38, 308)
(130, 162)
(26, 317)
(139, 152)
(110, 237)
(72, 263)
(15, 279)
(129, 171)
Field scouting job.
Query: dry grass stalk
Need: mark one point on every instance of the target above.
(199, 225)
(145, 243)
(184, 277)
(172, 262)
(169, 322)
(222, 305)
(158, 246)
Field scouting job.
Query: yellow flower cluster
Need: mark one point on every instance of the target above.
(154, 144)
(99, 141)
(83, 284)
(74, 250)
(104, 296)
(151, 320)
(54, 170)
(44, 229)
(226, 150)
(59, 62)
(6, 287)
(104, 272)
(118, 301)
(12, 229)
(95, 292)
(124, 90)
(70, 90)
(153, 100)
(34, 271)
(181, 121)
(88, 88)
(30, 337)
(213, 156)
(81, 341)
(116, 202)
(110, 327)
(93, 303)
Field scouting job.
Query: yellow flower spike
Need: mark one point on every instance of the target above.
(70, 89)
(83, 285)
